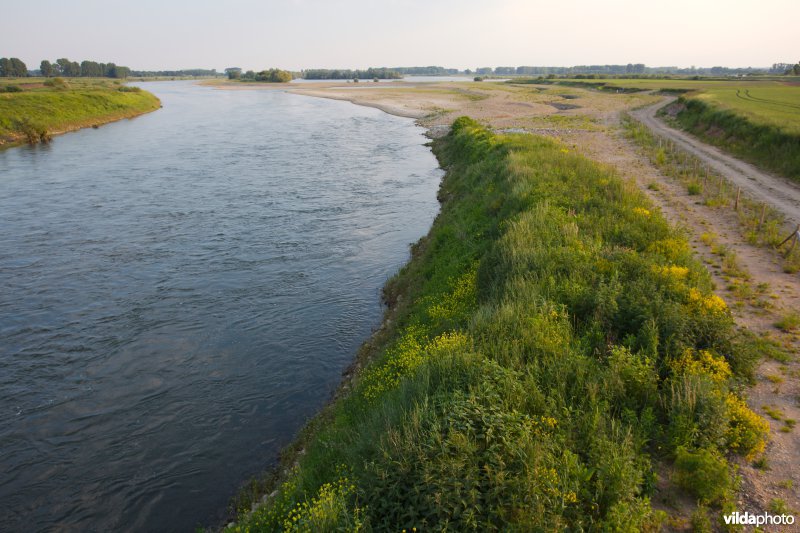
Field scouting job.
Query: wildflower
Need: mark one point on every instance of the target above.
(641, 211)
(702, 362)
(710, 304)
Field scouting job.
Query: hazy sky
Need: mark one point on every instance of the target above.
(294, 34)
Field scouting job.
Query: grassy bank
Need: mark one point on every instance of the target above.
(35, 110)
(761, 126)
(552, 345)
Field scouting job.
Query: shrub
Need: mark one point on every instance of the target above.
(704, 473)
(789, 322)
(13, 89)
(747, 432)
(57, 83)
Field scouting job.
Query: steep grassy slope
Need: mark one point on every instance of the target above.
(552, 340)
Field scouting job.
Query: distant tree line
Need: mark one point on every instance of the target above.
(273, 75)
(786, 68)
(85, 69)
(12, 68)
(425, 71)
(196, 72)
(347, 74)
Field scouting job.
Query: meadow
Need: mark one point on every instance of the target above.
(553, 354)
(34, 109)
(756, 119)
(760, 124)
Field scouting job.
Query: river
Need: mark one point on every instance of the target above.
(180, 292)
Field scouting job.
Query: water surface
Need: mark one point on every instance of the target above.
(180, 292)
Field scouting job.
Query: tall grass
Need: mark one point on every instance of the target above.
(552, 339)
(766, 145)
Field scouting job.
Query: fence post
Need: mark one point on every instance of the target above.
(738, 193)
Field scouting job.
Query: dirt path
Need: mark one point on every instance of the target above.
(776, 394)
(780, 193)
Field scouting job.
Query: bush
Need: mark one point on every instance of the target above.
(747, 433)
(57, 83)
(13, 89)
(129, 89)
(704, 473)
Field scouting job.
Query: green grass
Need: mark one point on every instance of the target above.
(767, 134)
(40, 111)
(757, 119)
(760, 224)
(551, 340)
(772, 105)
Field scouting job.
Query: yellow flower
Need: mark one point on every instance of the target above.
(671, 272)
(641, 211)
(704, 363)
(710, 304)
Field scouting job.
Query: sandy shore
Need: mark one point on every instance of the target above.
(552, 110)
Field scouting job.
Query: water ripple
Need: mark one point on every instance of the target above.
(180, 292)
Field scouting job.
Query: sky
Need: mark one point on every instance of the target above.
(297, 34)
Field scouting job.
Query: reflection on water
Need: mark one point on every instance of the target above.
(180, 292)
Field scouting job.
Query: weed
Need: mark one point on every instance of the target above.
(788, 322)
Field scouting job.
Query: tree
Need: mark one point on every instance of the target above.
(5, 67)
(118, 71)
(65, 67)
(274, 75)
(18, 68)
(234, 73)
(91, 69)
(47, 68)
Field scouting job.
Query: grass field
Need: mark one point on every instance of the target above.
(771, 105)
(37, 111)
(755, 119)
(552, 341)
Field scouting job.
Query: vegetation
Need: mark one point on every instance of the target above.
(87, 69)
(12, 68)
(347, 74)
(40, 110)
(760, 223)
(425, 71)
(761, 126)
(272, 75)
(185, 73)
(551, 340)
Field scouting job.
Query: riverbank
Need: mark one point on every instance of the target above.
(36, 110)
(553, 358)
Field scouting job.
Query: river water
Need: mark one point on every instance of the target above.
(180, 292)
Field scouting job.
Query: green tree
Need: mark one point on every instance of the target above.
(18, 68)
(234, 73)
(47, 68)
(91, 69)
(5, 67)
(65, 67)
